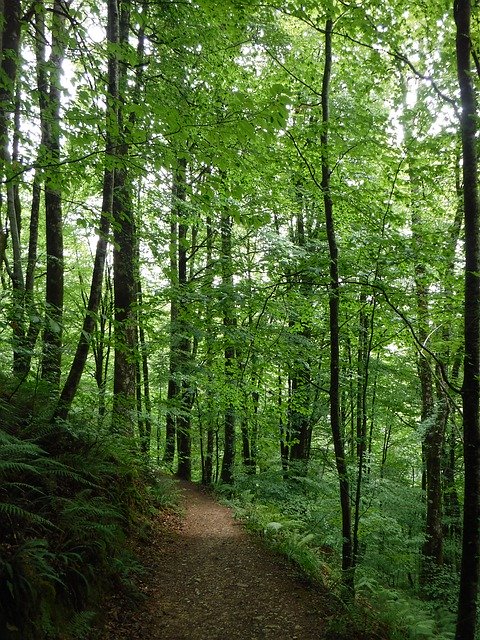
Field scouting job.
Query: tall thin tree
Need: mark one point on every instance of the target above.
(469, 575)
(54, 292)
(333, 304)
(73, 379)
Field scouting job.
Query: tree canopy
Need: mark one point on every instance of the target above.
(240, 241)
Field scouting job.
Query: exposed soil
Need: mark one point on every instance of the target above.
(208, 579)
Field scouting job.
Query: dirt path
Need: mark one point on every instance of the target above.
(210, 580)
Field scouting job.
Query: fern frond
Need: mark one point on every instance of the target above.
(20, 448)
(13, 510)
(17, 467)
(24, 486)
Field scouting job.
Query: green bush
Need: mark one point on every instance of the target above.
(68, 499)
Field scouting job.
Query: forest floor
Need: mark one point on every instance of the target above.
(207, 578)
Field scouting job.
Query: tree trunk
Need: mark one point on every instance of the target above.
(333, 303)
(101, 345)
(173, 387)
(53, 330)
(182, 339)
(124, 376)
(145, 374)
(229, 324)
(207, 467)
(299, 417)
(365, 339)
(124, 287)
(8, 68)
(298, 420)
(89, 322)
(469, 575)
(282, 430)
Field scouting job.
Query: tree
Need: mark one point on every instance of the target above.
(124, 269)
(229, 323)
(333, 304)
(10, 51)
(285, 230)
(73, 379)
(467, 603)
(50, 122)
(181, 330)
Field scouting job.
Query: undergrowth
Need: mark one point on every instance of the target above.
(297, 517)
(69, 497)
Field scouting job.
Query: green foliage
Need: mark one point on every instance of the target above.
(296, 517)
(67, 501)
(407, 617)
(234, 89)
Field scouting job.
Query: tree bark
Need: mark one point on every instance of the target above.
(182, 338)
(431, 416)
(173, 387)
(299, 383)
(9, 68)
(333, 303)
(207, 466)
(53, 330)
(229, 324)
(365, 339)
(469, 575)
(124, 375)
(89, 322)
(101, 344)
(124, 412)
(145, 373)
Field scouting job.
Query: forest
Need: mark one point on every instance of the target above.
(240, 244)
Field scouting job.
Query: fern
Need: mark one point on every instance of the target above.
(15, 466)
(65, 500)
(80, 625)
(17, 447)
(12, 510)
(90, 508)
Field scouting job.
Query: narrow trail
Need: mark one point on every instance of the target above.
(210, 580)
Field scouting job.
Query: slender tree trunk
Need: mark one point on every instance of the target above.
(452, 527)
(53, 331)
(432, 550)
(361, 374)
(23, 358)
(282, 430)
(124, 376)
(299, 375)
(9, 68)
(124, 287)
(469, 575)
(452, 503)
(334, 301)
(182, 339)
(101, 344)
(89, 322)
(73, 379)
(254, 433)
(299, 421)
(207, 469)
(246, 454)
(145, 374)
(229, 324)
(173, 387)
(144, 406)
(365, 341)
